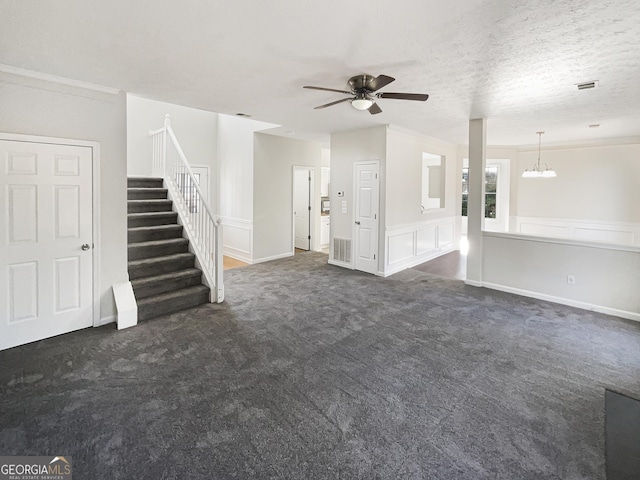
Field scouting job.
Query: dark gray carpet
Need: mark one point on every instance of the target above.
(622, 418)
(310, 371)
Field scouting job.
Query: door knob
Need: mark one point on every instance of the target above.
(357, 222)
(85, 247)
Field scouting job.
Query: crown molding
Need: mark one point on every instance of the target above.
(22, 72)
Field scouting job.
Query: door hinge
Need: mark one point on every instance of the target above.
(309, 237)
(376, 175)
(374, 256)
(375, 216)
(309, 178)
(309, 207)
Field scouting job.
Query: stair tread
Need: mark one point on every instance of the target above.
(153, 243)
(150, 200)
(156, 227)
(183, 292)
(151, 214)
(144, 178)
(161, 259)
(187, 272)
(147, 188)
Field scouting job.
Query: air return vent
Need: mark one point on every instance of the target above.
(342, 250)
(587, 85)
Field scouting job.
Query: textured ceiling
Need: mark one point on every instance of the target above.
(514, 62)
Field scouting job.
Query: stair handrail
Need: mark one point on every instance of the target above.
(202, 227)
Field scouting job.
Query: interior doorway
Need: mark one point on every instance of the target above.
(302, 208)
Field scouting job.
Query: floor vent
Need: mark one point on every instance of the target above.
(342, 250)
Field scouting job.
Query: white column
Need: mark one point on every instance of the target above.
(475, 210)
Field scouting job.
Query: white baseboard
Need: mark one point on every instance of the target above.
(563, 301)
(105, 321)
(273, 257)
(237, 254)
(474, 283)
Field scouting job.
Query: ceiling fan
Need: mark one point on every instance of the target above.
(363, 93)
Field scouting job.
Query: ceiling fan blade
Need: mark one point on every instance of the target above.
(420, 97)
(375, 109)
(379, 82)
(333, 103)
(328, 89)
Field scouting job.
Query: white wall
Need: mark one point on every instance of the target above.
(594, 183)
(235, 164)
(235, 179)
(606, 278)
(346, 149)
(404, 178)
(36, 107)
(326, 157)
(411, 236)
(274, 159)
(196, 130)
(594, 197)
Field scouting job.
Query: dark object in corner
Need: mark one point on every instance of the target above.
(622, 429)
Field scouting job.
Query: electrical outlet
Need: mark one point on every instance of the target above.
(571, 279)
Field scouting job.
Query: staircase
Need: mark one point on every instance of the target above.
(161, 268)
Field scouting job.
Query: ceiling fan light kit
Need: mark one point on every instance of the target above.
(363, 90)
(361, 103)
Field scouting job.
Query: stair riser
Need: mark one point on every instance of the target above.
(164, 219)
(165, 286)
(146, 194)
(175, 305)
(150, 235)
(149, 207)
(144, 183)
(139, 271)
(139, 252)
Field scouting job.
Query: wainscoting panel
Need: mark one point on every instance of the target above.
(237, 238)
(401, 247)
(606, 236)
(410, 245)
(616, 233)
(426, 239)
(445, 235)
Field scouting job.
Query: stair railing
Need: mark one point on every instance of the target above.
(200, 224)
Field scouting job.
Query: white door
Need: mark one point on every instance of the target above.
(46, 265)
(366, 217)
(302, 208)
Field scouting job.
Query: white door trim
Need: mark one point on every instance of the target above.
(95, 156)
(312, 204)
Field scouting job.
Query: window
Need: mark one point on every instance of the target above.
(490, 187)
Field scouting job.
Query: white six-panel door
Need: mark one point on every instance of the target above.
(366, 217)
(46, 285)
